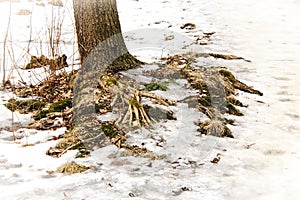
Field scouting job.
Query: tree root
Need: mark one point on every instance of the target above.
(136, 114)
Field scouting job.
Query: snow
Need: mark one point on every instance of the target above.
(261, 162)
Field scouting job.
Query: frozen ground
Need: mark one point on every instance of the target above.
(261, 162)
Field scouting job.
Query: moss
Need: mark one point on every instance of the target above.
(151, 86)
(109, 130)
(72, 168)
(41, 114)
(190, 60)
(24, 106)
(55, 107)
(156, 86)
(61, 105)
(82, 153)
(112, 80)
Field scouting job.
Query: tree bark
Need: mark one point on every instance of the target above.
(102, 49)
(98, 26)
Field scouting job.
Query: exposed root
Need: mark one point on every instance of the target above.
(158, 99)
(217, 87)
(215, 128)
(136, 114)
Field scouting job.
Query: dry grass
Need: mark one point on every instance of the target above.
(72, 168)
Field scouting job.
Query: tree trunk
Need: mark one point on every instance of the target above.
(102, 49)
(98, 26)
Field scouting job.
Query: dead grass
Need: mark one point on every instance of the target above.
(72, 168)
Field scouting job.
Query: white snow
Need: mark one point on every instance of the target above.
(261, 162)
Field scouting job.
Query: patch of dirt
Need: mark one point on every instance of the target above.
(53, 89)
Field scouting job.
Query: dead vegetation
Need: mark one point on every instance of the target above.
(53, 64)
(72, 168)
(217, 88)
(114, 93)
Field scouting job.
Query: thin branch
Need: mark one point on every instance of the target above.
(4, 47)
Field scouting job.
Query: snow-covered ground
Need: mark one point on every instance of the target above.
(261, 162)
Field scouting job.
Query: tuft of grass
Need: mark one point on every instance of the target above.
(140, 152)
(72, 168)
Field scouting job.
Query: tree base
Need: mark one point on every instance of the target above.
(123, 63)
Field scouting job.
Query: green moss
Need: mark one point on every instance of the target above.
(156, 86)
(82, 153)
(191, 60)
(55, 107)
(24, 106)
(61, 105)
(112, 80)
(109, 130)
(41, 114)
